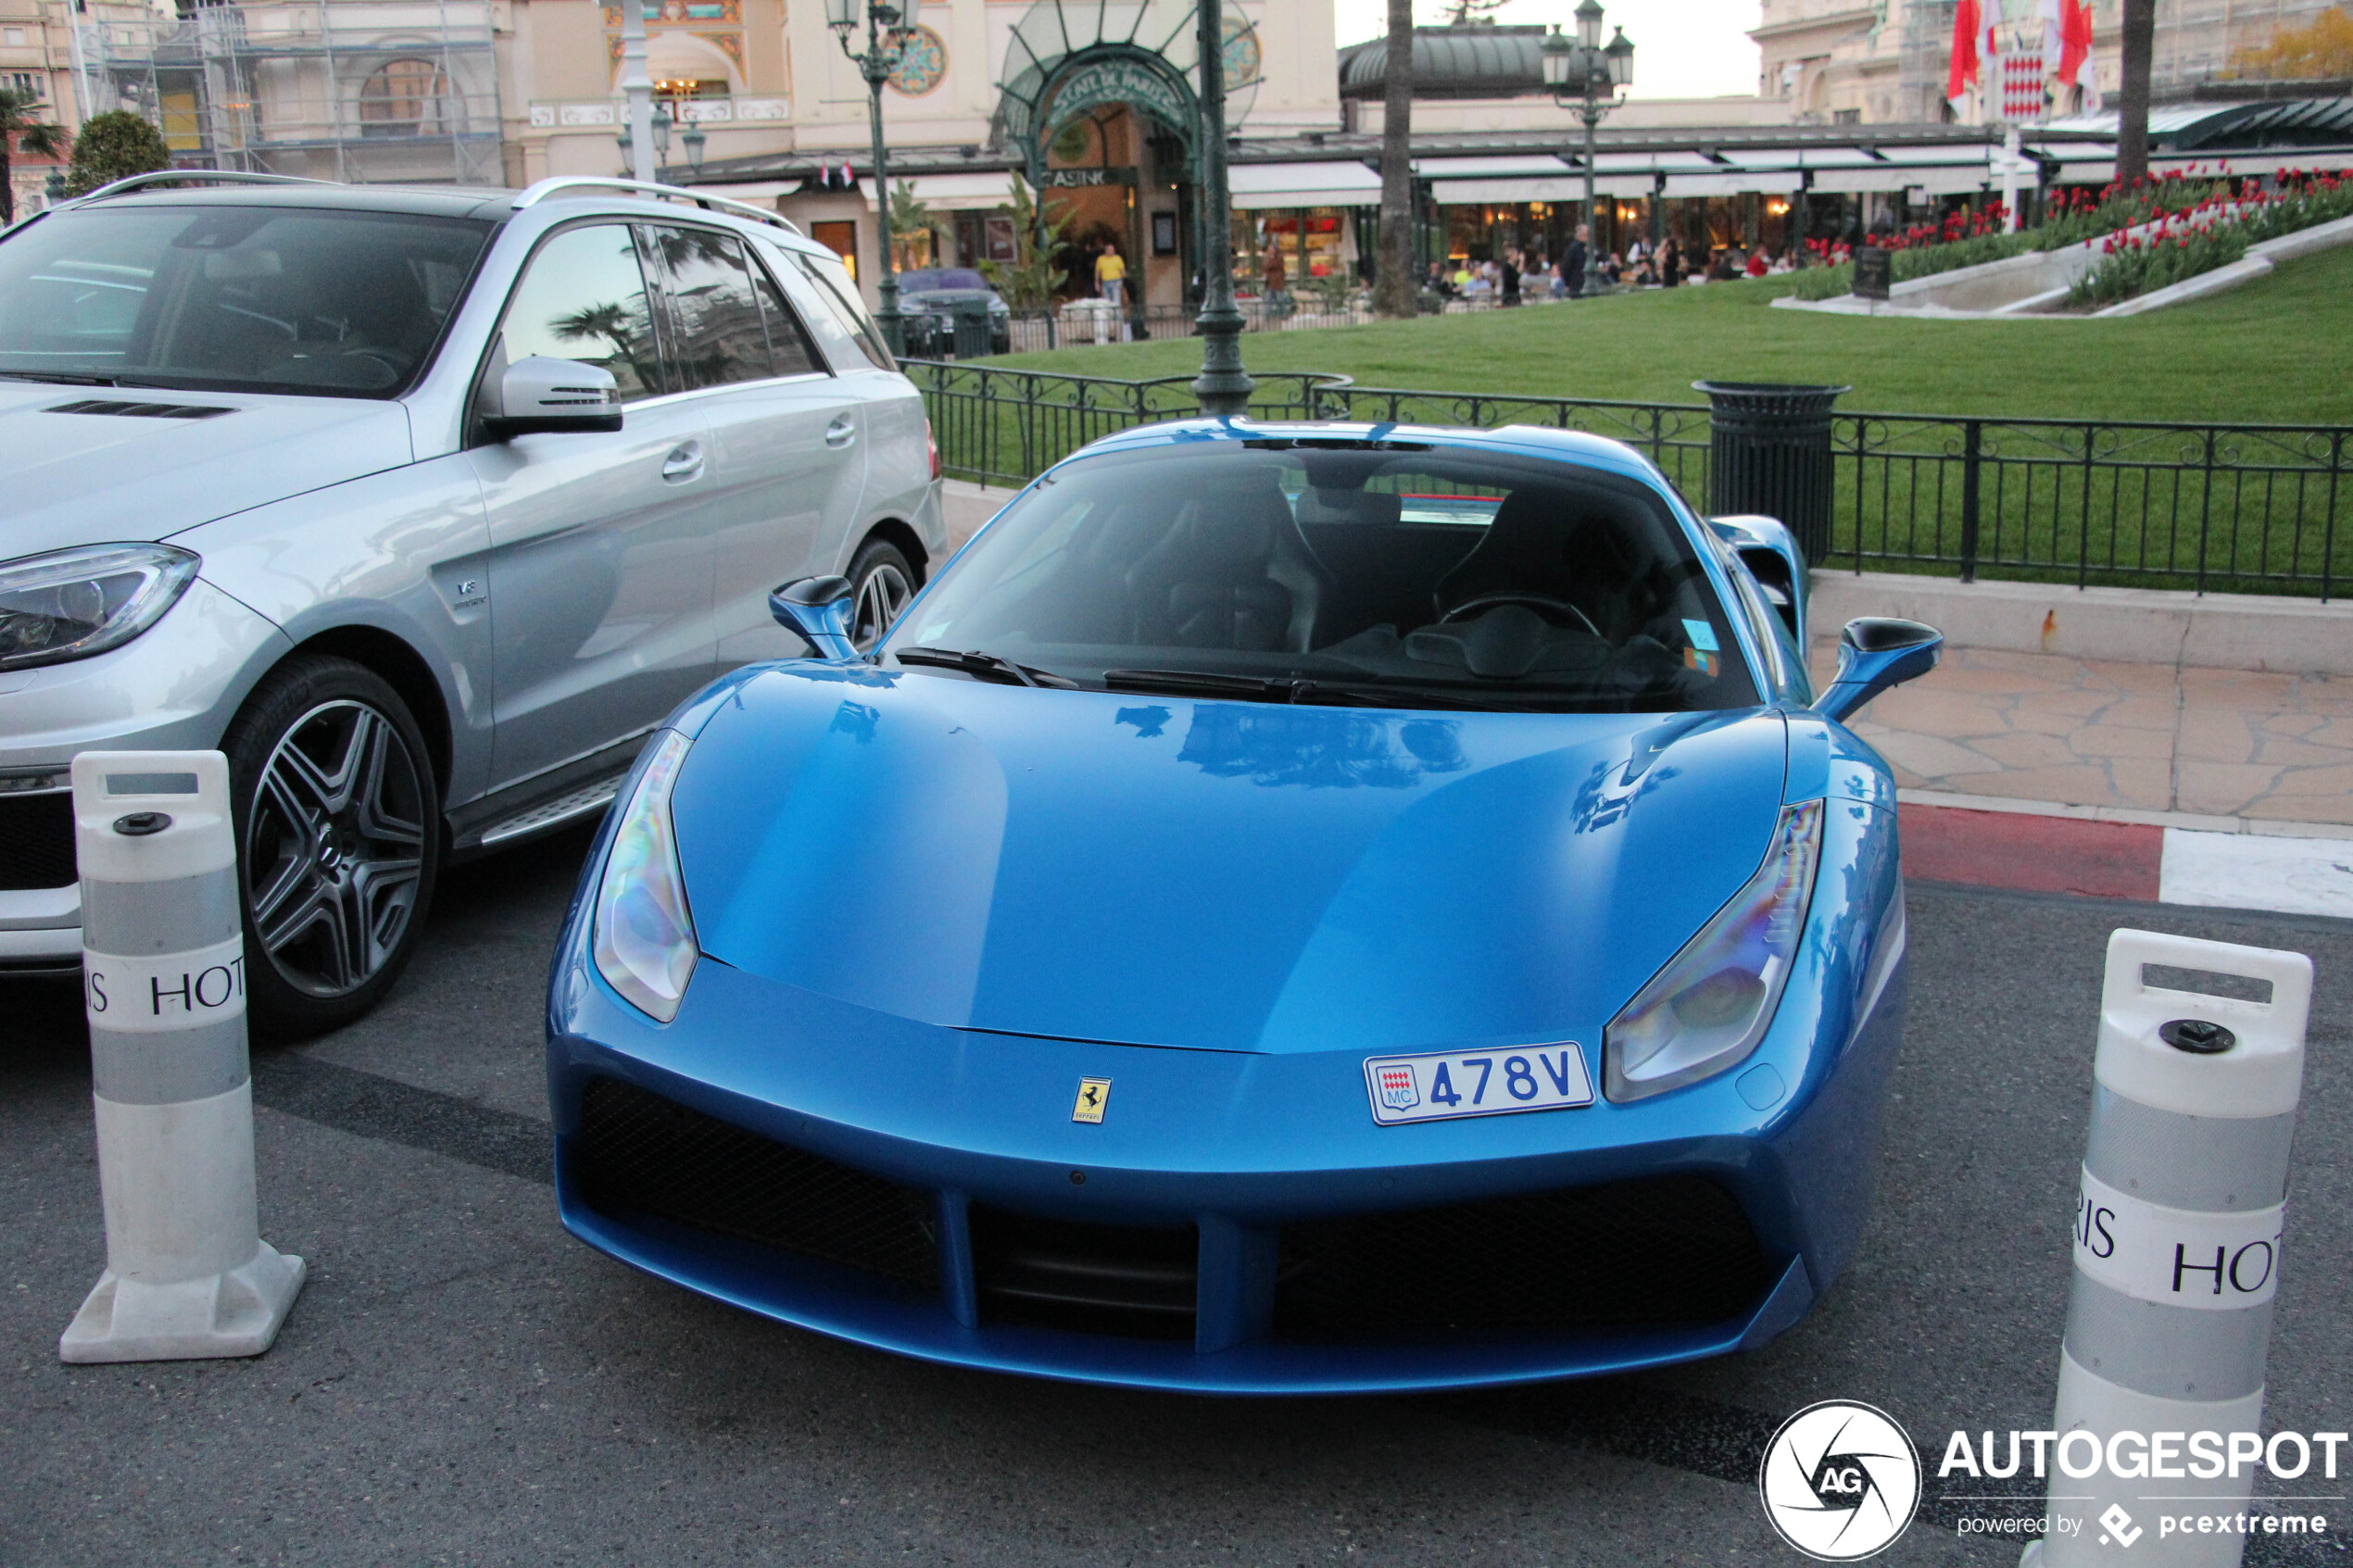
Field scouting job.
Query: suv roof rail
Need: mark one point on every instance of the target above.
(131, 183)
(543, 189)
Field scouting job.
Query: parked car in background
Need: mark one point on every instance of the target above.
(928, 297)
(425, 505)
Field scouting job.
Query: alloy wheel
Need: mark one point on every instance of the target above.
(334, 848)
(882, 595)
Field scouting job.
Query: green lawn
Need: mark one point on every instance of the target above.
(2277, 350)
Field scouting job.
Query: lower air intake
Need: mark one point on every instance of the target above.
(639, 1154)
(1135, 1282)
(1658, 1253)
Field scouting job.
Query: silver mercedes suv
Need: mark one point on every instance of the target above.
(425, 505)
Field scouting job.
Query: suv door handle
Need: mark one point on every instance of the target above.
(841, 432)
(684, 463)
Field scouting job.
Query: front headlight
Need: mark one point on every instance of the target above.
(1713, 1002)
(70, 604)
(645, 936)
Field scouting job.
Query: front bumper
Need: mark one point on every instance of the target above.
(949, 1163)
(173, 689)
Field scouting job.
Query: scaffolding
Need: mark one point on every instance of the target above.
(1926, 53)
(2198, 40)
(361, 91)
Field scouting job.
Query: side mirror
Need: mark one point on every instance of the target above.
(817, 608)
(1875, 653)
(543, 394)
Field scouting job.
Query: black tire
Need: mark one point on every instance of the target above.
(881, 581)
(339, 844)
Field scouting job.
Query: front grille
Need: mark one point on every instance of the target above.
(36, 840)
(1135, 1282)
(1657, 1252)
(639, 1153)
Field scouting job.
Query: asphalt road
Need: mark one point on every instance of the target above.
(461, 1382)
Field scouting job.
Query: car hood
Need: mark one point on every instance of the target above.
(83, 479)
(1221, 875)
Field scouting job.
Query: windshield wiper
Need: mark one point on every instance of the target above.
(1359, 692)
(984, 667)
(61, 378)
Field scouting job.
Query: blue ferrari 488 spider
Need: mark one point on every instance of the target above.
(1289, 909)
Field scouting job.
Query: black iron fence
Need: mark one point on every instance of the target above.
(2224, 508)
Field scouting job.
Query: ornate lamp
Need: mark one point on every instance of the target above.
(1584, 75)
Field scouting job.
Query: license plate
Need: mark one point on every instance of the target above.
(1446, 1084)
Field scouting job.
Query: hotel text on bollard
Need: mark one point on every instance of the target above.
(2177, 1250)
(163, 987)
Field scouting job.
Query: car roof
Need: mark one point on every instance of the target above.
(486, 203)
(430, 201)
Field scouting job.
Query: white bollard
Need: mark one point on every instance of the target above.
(2177, 1247)
(163, 986)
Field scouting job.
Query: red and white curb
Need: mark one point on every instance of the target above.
(2152, 857)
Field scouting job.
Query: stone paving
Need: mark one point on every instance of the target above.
(2148, 737)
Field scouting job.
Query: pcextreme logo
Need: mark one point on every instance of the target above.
(1839, 1481)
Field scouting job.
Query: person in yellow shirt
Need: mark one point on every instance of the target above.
(1111, 275)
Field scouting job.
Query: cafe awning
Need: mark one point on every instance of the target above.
(1340, 182)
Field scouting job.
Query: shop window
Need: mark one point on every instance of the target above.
(840, 237)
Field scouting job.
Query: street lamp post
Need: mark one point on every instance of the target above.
(1223, 386)
(890, 27)
(1588, 74)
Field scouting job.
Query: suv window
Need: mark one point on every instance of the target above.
(840, 297)
(249, 298)
(720, 337)
(584, 297)
(732, 327)
(788, 340)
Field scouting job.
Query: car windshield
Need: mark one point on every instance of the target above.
(232, 298)
(925, 279)
(1338, 571)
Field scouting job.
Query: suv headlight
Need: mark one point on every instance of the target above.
(645, 936)
(1713, 1002)
(70, 604)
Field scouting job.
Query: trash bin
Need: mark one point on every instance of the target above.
(1771, 455)
(972, 329)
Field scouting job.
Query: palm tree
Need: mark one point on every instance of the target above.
(1393, 281)
(19, 126)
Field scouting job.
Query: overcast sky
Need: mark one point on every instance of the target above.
(1683, 48)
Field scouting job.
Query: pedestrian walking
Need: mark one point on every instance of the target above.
(1573, 261)
(1510, 279)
